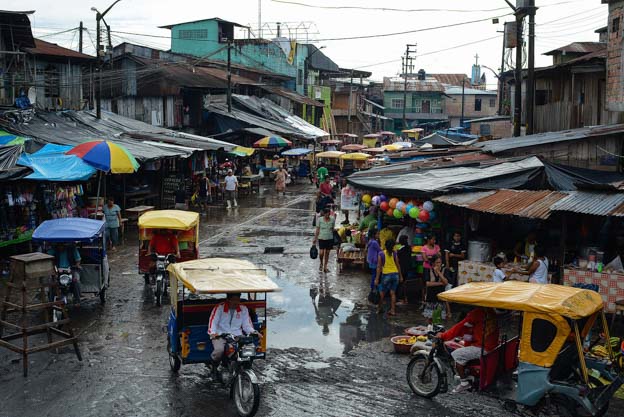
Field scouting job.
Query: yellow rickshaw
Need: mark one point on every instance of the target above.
(197, 288)
(176, 225)
(555, 372)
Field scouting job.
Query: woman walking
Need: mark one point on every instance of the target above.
(372, 253)
(280, 180)
(325, 237)
(388, 276)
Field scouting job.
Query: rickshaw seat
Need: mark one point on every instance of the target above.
(504, 356)
(566, 361)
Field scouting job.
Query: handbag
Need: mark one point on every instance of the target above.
(313, 252)
(373, 297)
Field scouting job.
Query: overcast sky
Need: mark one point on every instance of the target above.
(559, 22)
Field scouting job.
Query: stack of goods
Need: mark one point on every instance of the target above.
(18, 214)
(63, 201)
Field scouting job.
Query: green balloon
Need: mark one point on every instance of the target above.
(398, 213)
(414, 212)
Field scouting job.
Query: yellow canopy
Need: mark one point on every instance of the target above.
(243, 150)
(392, 147)
(570, 302)
(222, 275)
(169, 219)
(356, 156)
(330, 154)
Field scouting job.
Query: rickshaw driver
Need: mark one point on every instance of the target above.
(471, 329)
(229, 317)
(68, 257)
(163, 243)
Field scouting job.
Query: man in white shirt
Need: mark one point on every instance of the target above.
(231, 185)
(228, 317)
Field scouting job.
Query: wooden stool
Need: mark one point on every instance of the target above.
(619, 308)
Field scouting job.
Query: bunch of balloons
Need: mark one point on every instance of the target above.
(394, 207)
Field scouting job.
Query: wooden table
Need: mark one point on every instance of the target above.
(254, 180)
(135, 212)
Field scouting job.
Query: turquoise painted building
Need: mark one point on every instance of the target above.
(209, 38)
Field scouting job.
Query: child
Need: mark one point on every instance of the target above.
(499, 275)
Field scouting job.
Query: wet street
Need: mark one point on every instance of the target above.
(335, 361)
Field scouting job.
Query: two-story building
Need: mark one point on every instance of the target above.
(469, 103)
(424, 104)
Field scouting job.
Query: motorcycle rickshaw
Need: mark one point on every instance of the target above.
(87, 236)
(550, 366)
(197, 287)
(185, 226)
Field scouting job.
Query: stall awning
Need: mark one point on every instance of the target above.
(593, 203)
(521, 203)
(56, 167)
(9, 155)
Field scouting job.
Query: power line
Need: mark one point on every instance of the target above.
(385, 9)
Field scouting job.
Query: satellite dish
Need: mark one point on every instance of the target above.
(32, 95)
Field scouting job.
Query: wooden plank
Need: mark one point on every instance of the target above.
(52, 345)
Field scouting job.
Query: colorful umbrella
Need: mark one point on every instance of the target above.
(272, 142)
(106, 156)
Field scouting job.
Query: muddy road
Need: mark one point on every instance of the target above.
(333, 360)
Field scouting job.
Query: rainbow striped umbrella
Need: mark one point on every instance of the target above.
(106, 156)
(272, 142)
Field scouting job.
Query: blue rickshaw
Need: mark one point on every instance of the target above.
(87, 236)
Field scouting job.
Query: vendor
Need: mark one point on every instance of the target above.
(247, 171)
(408, 231)
(526, 247)
(369, 219)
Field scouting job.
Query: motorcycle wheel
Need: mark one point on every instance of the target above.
(103, 295)
(158, 293)
(246, 395)
(174, 360)
(427, 386)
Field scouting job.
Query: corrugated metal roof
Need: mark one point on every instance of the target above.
(413, 84)
(292, 95)
(454, 90)
(522, 203)
(596, 203)
(52, 49)
(502, 145)
(452, 79)
(579, 48)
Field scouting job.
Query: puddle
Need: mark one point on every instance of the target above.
(314, 318)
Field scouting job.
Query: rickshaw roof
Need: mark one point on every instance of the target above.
(72, 229)
(169, 219)
(222, 275)
(356, 156)
(573, 303)
(330, 154)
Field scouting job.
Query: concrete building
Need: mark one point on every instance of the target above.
(476, 104)
(615, 72)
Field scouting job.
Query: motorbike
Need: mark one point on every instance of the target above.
(236, 373)
(65, 284)
(159, 280)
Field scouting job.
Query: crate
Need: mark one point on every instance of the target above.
(32, 265)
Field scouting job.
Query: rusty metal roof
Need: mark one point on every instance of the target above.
(595, 203)
(413, 84)
(579, 48)
(52, 49)
(292, 95)
(452, 79)
(522, 203)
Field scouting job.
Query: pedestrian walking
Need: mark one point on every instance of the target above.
(321, 173)
(388, 276)
(231, 186)
(203, 188)
(280, 180)
(181, 199)
(372, 253)
(112, 217)
(324, 235)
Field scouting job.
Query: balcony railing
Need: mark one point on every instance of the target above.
(413, 110)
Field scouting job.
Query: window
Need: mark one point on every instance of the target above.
(615, 26)
(477, 106)
(300, 77)
(542, 97)
(396, 103)
(191, 34)
(52, 86)
(543, 333)
(492, 102)
(426, 106)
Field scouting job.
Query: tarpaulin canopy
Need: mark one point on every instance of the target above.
(329, 155)
(574, 303)
(9, 155)
(222, 275)
(56, 167)
(297, 152)
(169, 219)
(49, 148)
(7, 138)
(73, 229)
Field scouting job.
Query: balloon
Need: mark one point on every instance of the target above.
(409, 207)
(428, 205)
(366, 198)
(390, 212)
(383, 198)
(398, 213)
(393, 202)
(414, 212)
(384, 206)
(400, 205)
(432, 215)
(404, 209)
(376, 200)
(423, 216)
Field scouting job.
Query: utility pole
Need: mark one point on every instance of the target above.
(501, 86)
(530, 93)
(229, 76)
(80, 29)
(100, 54)
(408, 58)
(461, 121)
(518, 75)
(350, 98)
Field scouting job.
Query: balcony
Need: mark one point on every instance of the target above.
(415, 113)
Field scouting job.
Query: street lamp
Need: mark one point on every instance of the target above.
(100, 17)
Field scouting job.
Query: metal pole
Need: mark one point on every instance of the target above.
(530, 93)
(229, 76)
(461, 121)
(405, 89)
(501, 86)
(350, 97)
(98, 90)
(80, 37)
(518, 82)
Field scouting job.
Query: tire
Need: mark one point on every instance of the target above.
(555, 406)
(247, 401)
(103, 295)
(423, 388)
(158, 293)
(174, 360)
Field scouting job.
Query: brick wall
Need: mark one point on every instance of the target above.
(615, 75)
(498, 128)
